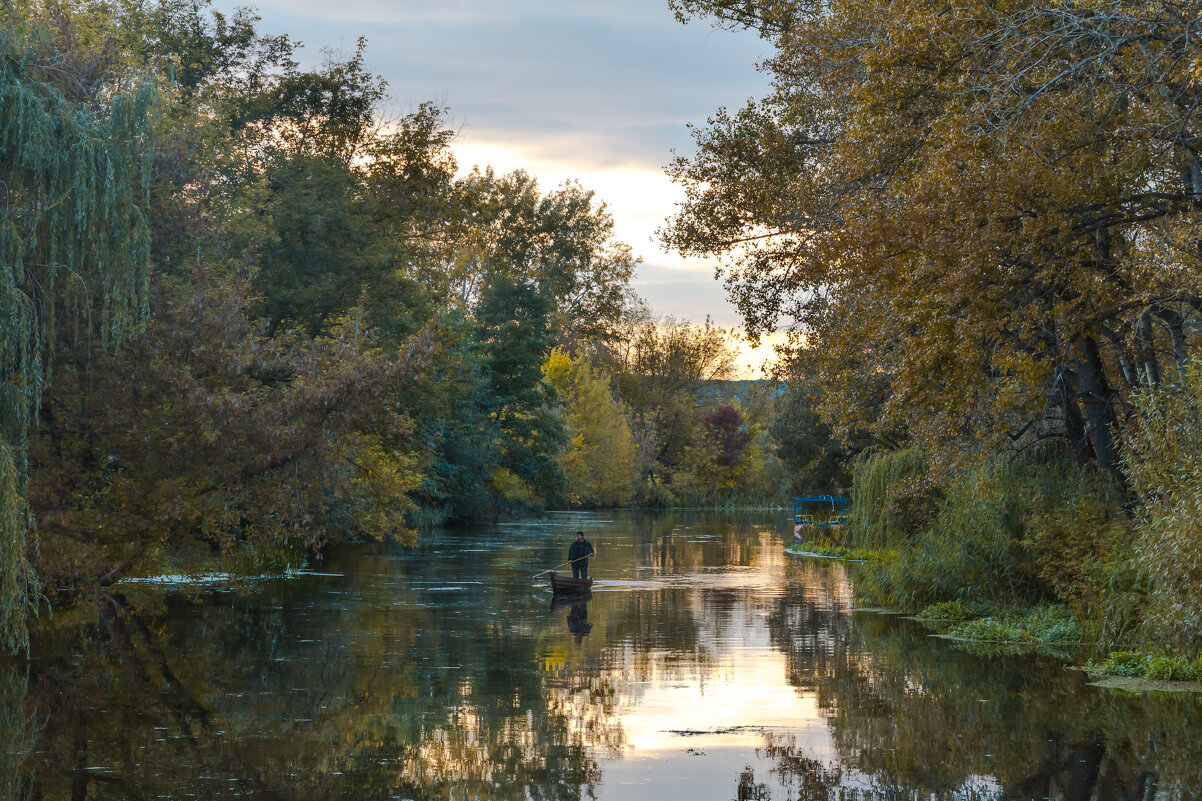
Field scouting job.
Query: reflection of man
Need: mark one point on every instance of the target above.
(578, 555)
(578, 622)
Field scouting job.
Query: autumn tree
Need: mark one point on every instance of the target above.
(978, 216)
(722, 456)
(658, 366)
(599, 461)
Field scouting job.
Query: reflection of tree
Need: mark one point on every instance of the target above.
(18, 733)
(370, 689)
(295, 706)
(920, 718)
(813, 780)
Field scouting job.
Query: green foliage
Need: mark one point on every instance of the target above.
(891, 498)
(1155, 666)
(1055, 625)
(828, 548)
(316, 256)
(1163, 461)
(513, 338)
(804, 444)
(948, 611)
(74, 243)
(1012, 531)
(561, 242)
(18, 735)
(206, 437)
(18, 581)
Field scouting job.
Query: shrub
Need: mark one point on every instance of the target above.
(1157, 666)
(1124, 663)
(891, 498)
(1163, 459)
(1044, 624)
(1006, 530)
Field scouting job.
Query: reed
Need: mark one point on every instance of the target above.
(887, 500)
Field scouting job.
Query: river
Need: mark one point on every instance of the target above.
(707, 664)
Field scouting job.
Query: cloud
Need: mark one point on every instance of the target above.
(623, 71)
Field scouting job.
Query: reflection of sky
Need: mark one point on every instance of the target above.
(682, 721)
(600, 92)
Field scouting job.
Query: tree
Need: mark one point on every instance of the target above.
(73, 243)
(599, 461)
(513, 336)
(979, 223)
(562, 242)
(207, 436)
(657, 367)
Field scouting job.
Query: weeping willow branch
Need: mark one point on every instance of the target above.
(74, 244)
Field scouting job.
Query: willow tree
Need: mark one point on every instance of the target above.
(74, 244)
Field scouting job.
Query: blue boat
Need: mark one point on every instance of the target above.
(821, 511)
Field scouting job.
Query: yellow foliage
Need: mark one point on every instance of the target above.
(511, 487)
(599, 461)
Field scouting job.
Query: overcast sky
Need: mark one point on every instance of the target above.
(596, 91)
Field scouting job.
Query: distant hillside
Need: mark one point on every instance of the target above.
(743, 391)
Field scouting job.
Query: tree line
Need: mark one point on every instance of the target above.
(245, 311)
(980, 220)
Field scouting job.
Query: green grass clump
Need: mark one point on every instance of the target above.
(1155, 666)
(953, 611)
(1054, 625)
(834, 551)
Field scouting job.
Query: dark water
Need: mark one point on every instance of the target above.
(707, 665)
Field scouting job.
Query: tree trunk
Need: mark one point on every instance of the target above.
(1147, 347)
(1065, 392)
(1176, 326)
(1095, 393)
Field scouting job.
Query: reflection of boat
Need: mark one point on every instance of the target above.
(563, 584)
(564, 600)
(577, 603)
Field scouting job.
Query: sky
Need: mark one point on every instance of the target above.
(598, 92)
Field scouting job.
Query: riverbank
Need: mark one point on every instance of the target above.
(1052, 629)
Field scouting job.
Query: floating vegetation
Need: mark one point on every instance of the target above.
(1153, 667)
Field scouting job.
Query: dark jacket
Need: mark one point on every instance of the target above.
(583, 548)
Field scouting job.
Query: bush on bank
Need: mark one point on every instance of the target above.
(1037, 529)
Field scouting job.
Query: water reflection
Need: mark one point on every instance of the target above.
(705, 664)
(579, 625)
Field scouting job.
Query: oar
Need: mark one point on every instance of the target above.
(565, 564)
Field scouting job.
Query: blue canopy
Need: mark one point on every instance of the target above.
(821, 510)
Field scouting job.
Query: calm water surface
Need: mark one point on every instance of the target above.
(707, 664)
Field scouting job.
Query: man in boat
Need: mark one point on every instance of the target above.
(578, 555)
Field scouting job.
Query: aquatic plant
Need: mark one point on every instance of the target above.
(1043, 624)
(948, 611)
(827, 548)
(1155, 666)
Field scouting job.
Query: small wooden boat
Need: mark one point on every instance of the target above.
(561, 585)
